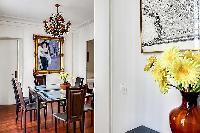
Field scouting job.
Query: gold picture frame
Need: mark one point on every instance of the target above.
(48, 54)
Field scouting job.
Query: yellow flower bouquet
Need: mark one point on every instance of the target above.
(175, 68)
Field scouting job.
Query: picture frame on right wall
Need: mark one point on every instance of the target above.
(168, 23)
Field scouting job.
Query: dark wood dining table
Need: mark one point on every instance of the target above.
(50, 93)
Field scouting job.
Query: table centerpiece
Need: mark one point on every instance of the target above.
(64, 76)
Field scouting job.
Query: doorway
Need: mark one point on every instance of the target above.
(8, 69)
(90, 64)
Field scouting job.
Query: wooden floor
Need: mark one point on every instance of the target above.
(8, 124)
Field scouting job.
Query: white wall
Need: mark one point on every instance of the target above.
(127, 108)
(79, 40)
(143, 104)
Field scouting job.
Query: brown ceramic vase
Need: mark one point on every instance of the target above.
(186, 118)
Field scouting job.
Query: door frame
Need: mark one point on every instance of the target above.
(86, 58)
(103, 67)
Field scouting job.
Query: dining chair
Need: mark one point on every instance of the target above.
(89, 103)
(41, 80)
(17, 100)
(29, 107)
(75, 109)
(89, 107)
(79, 82)
(33, 95)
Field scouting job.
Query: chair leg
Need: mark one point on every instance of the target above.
(24, 121)
(16, 114)
(21, 116)
(31, 116)
(67, 127)
(45, 117)
(55, 125)
(83, 120)
(35, 115)
(51, 107)
(82, 125)
(16, 117)
(64, 108)
(74, 126)
(92, 118)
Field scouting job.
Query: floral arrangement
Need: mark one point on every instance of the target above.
(64, 76)
(177, 69)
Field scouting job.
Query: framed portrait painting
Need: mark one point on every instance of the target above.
(168, 23)
(48, 54)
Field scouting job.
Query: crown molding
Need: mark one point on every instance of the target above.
(18, 21)
(90, 21)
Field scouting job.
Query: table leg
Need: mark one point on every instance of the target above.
(30, 98)
(38, 114)
(59, 109)
(58, 106)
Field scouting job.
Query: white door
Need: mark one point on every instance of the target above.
(8, 66)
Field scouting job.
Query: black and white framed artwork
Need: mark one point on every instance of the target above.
(167, 23)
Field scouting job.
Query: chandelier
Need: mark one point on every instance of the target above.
(55, 25)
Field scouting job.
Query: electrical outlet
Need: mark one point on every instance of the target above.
(123, 88)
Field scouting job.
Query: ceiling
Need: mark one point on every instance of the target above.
(77, 11)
